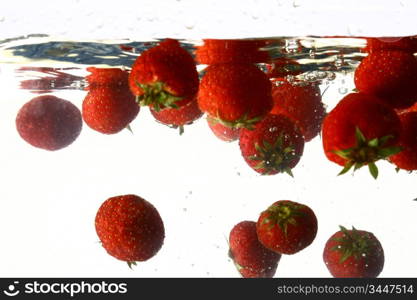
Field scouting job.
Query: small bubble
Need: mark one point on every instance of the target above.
(184, 209)
(238, 173)
(363, 254)
(342, 90)
(273, 129)
(292, 46)
(312, 53)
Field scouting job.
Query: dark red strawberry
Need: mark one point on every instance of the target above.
(302, 103)
(109, 105)
(236, 95)
(252, 260)
(164, 76)
(129, 228)
(274, 146)
(178, 117)
(407, 158)
(390, 75)
(359, 131)
(287, 227)
(407, 44)
(217, 51)
(49, 122)
(353, 254)
(221, 131)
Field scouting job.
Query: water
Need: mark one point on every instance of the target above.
(200, 185)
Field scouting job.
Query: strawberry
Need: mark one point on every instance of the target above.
(129, 228)
(221, 131)
(251, 258)
(109, 105)
(164, 76)
(287, 227)
(274, 146)
(353, 254)
(407, 158)
(236, 95)
(359, 131)
(178, 117)
(49, 122)
(407, 44)
(217, 51)
(302, 103)
(390, 75)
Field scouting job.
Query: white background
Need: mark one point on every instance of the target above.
(200, 185)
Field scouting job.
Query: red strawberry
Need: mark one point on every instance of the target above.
(164, 76)
(408, 44)
(407, 158)
(282, 67)
(301, 102)
(359, 131)
(389, 75)
(49, 122)
(287, 227)
(178, 117)
(274, 146)
(106, 77)
(223, 132)
(251, 258)
(215, 51)
(129, 228)
(109, 105)
(237, 95)
(353, 254)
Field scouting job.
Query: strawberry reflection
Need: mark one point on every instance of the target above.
(49, 79)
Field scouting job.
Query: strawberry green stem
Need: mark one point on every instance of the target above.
(366, 152)
(156, 96)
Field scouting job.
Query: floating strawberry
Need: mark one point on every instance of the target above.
(274, 146)
(251, 258)
(49, 122)
(302, 103)
(353, 254)
(217, 51)
(359, 131)
(407, 158)
(236, 95)
(221, 131)
(178, 117)
(407, 44)
(129, 228)
(164, 76)
(287, 227)
(109, 105)
(390, 75)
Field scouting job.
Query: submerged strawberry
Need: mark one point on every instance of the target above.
(287, 227)
(236, 95)
(302, 103)
(274, 146)
(109, 105)
(49, 122)
(164, 76)
(359, 131)
(407, 158)
(390, 75)
(179, 117)
(217, 51)
(130, 228)
(353, 254)
(251, 258)
(221, 131)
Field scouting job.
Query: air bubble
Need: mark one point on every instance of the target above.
(292, 46)
(342, 90)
